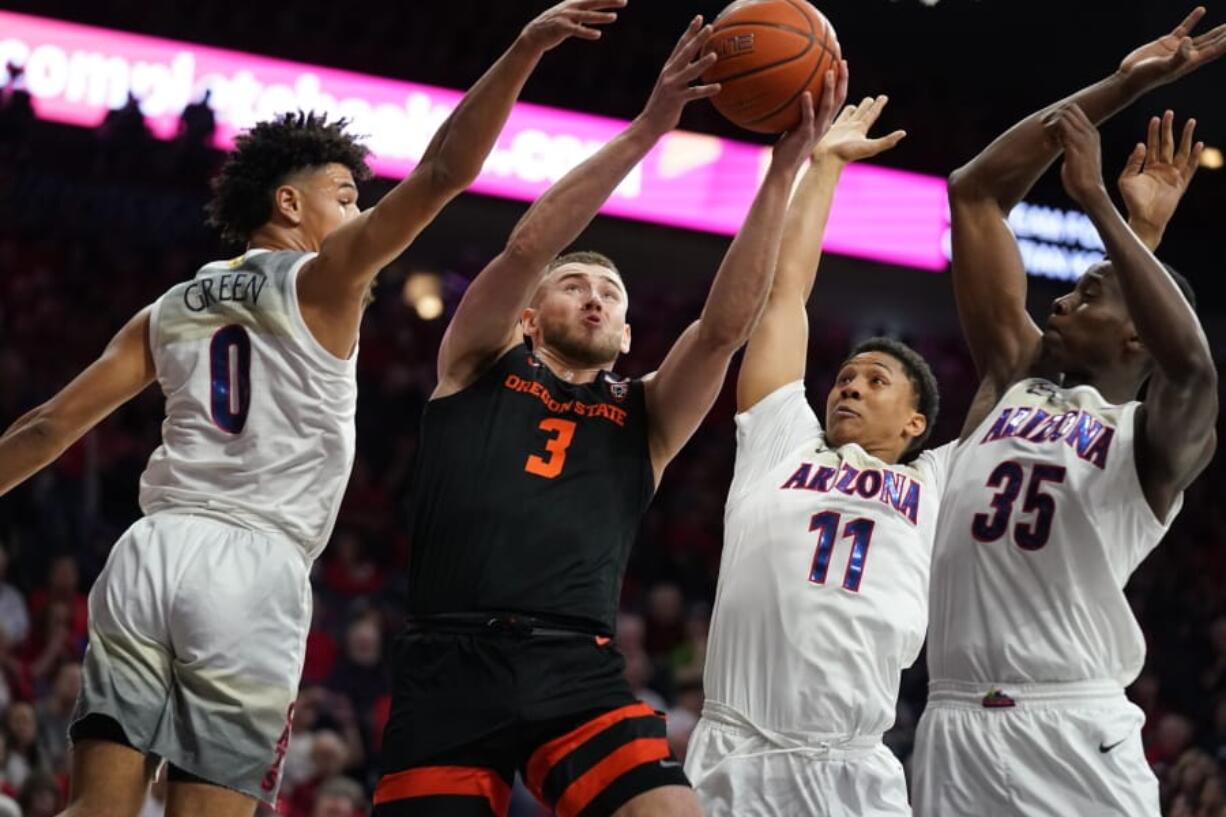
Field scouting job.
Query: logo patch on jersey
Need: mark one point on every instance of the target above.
(998, 700)
(1089, 437)
(619, 387)
(1041, 388)
(1105, 749)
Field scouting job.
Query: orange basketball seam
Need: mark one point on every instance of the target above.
(805, 15)
(810, 34)
(804, 87)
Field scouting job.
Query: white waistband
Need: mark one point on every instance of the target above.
(1003, 695)
(823, 745)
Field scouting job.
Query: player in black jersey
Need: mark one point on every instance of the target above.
(535, 467)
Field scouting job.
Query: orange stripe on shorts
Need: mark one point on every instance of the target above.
(591, 783)
(462, 781)
(548, 755)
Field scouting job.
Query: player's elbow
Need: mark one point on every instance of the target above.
(724, 336)
(43, 428)
(1197, 376)
(448, 178)
(525, 248)
(966, 184)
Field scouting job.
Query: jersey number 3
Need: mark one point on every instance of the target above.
(230, 378)
(826, 526)
(563, 432)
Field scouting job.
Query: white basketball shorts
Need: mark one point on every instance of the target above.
(197, 634)
(738, 772)
(1032, 750)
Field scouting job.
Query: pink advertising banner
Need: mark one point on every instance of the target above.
(77, 73)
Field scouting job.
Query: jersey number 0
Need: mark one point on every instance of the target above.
(230, 378)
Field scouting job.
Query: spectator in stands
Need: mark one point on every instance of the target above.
(63, 586)
(349, 571)
(41, 795)
(361, 675)
(54, 714)
(339, 797)
(21, 732)
(51, 644)
(14, 617)
(665, 619)
(329, 759)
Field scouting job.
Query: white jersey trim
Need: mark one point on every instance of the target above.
(340, 365)
(1158, 525)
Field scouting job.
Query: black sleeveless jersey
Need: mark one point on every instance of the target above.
(528, 494)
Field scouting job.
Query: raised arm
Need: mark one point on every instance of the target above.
(37, 438)
(332, 288)
(681, 393)
(988, 275)
(1153, 182)
(487, 320)
(1176, 437)
(778, 348)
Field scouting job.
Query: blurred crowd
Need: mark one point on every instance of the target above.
(95, 224)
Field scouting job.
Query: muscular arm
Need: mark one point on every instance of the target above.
(487, 320)
(37, 438)
(776, 353)
(1176, 437)
(681, 392)
(333, 286)
(988, 275)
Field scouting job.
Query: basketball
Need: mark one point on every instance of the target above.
(769, 53)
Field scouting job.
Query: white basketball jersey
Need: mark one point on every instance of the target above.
(259, 427)
(1042, 523)
(823, 586)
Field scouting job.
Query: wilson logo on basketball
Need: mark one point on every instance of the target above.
(734, 46)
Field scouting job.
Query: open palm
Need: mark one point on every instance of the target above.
(1157, 174)
(1173, 55)
(848, 140)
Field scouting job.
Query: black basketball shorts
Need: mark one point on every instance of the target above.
(470, 710)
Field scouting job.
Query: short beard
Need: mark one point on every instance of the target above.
(592, 354)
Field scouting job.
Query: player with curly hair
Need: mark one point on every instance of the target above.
(198, 622)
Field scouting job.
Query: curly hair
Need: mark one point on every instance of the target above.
(269, 154)
(923, 382)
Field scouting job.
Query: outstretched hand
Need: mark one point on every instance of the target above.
(571, 18)
(1176, 54)
(1082, 172)
(848, 140)
(673, 90)
(798, 144)
(1157, 175)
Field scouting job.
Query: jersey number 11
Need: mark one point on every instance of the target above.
(860, 531)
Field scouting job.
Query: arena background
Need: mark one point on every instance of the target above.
(97, 220)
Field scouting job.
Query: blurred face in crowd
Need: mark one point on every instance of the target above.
(665, 604)
(329, 755)
(364, 642)
(873, 404)
(64, 576)
(68, 683)
(579, 312)
(334, 805)
(22, 724)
